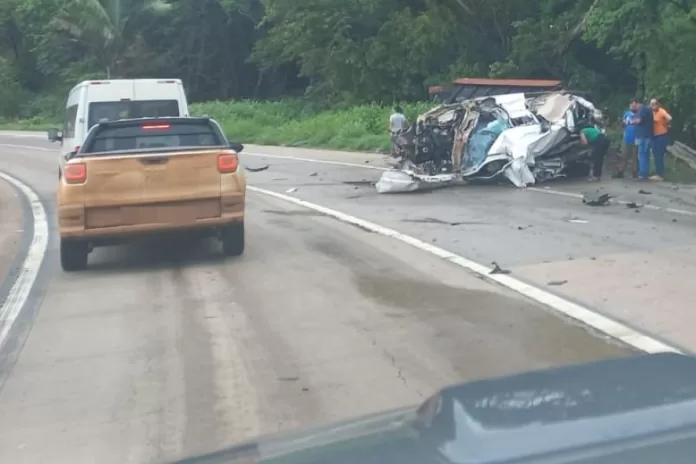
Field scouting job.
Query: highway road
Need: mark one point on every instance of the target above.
(167, 350)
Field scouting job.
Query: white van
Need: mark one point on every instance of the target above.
(90, 102)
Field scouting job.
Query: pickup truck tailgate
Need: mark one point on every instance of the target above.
(152, 188)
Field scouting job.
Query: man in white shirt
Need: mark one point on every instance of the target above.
(397, 124)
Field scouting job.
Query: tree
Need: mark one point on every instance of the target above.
(109, 28)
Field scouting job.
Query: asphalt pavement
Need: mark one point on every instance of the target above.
(164, 350)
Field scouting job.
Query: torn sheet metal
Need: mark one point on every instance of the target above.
(526, 139)
(397, 181)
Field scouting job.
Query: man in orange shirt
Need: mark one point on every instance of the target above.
(661, 122)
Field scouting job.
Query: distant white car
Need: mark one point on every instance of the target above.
(90, 102)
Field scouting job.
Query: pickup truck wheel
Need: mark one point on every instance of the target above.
(232, 238)
(73, 255)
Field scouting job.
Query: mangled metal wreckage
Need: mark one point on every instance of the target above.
(527, 138)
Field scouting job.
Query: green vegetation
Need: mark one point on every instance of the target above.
(290, 123)
(324, 72)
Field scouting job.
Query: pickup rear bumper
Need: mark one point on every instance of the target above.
(79, 222)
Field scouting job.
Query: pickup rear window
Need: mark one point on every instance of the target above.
(153, 135)
(129, 109)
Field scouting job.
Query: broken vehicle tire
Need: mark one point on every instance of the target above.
(232, 238)
(73, 255)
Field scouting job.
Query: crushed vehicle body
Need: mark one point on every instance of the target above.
(526, 138)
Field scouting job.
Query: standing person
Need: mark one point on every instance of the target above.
(628, 158)
(661, 122)
(594, 138)
(397, 124)
(644, 134)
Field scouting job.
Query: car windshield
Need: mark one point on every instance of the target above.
(129, 109)
(152, 134)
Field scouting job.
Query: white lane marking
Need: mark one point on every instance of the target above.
(311, 160)
(575, 311)
(27, 146)
(19, 292)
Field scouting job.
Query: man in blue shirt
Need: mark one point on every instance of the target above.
(627, 159)
(644, 133)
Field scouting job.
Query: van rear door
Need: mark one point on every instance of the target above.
(163, 90)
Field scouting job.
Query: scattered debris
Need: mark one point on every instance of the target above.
(288, 379)
(395, 181)
(294, 189)
(596, 199)
(262, 168)
(429, 220)
(279, 179)
(557, 283)
(633, 205)
(674, 219)
(592, 258)
(294, 212)
(358, 182)
(644, 192)
(577, 221)
(314, 174)
(498, 270)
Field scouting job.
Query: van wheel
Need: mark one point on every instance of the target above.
(232, 238)
(73, 255)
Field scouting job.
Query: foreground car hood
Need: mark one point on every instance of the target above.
(626, 410)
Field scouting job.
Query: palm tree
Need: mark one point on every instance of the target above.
(109, 26)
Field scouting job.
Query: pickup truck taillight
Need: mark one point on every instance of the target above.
(75, 173)
(227, 163)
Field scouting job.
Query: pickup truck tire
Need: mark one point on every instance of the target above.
(73, 255)
(232, 238)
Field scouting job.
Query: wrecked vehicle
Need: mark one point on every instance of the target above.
(526, 138)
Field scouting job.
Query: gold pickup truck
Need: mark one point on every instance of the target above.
(138, 177)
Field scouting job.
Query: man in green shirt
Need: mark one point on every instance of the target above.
(594, 138)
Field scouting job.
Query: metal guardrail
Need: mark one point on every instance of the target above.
(684, 153)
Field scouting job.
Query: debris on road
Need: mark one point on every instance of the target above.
(556, 283)
(498, 270)
(576, 220)
(294, 189)
(358, 183)
(262, 168)
(314, 174)
(633, 205)
(396, 181)
(644, 192)
(526, 138)
(596, 199)
(429, 220)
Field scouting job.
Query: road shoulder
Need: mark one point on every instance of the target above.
(10, 227)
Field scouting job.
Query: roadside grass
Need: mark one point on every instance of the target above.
(294, 123)
(298, 123)
(30, 124)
